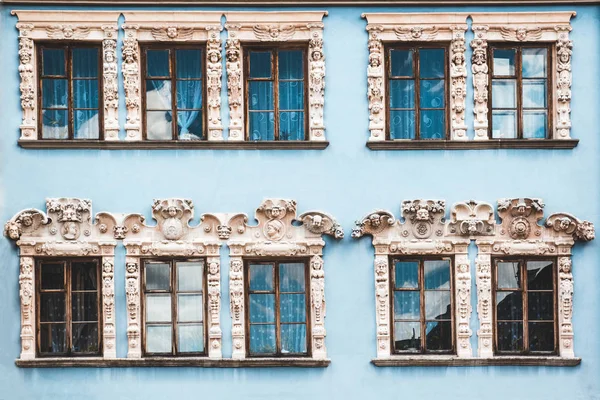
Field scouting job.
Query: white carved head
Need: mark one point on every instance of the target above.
(172, 32)
(422, 214)
(12, 230)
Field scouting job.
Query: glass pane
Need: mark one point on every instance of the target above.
(541, 336)
(84, 306)
(540, 306)
(262, 308)
(402, 125)
(262, 339)
(189, 95)
(261, 95)
(291, 95)
(432, 94)
(439, 335)
(54, 93)
(504, 62)
(86, 124)
(402, 62)
(83, 276)
(406, 274)
(54, 62)
(158, 338)
(407, 336)
(262, 126)
(157, 62)
(54, 124)
(85, 63)
(52, 276)
(534, 93)
(432, 63)
(158, 276)
(189, 276)
(52, 307)
(158, 95)
(158, 308)
(159, 125)
(291, 65)
(437, 274)
(260, 64)
(291, 125)
(190, 338)
(438, 305)
(189, 307)
(504, 93)
(188, 63)
(291, 277)
(432, 124)
(510, 336)
(53, 338)
(540, 275)
(508, 275)
(85, 338)
(534, 63)
(504, 124)
(293, 338)
(189, 125)
(261, 277)
(535, 124)
(293, 308)
(509, 306)
(402, 93)
(407, 305)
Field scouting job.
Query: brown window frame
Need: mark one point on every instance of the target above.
(416, 47)
(276, 291)
(519, 78)
(524, 290)
(274, 50)
(172, 261)
(422, 316)
(68, 47)
(144, 47)
(68, 291)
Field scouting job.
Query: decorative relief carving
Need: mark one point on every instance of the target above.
(382, 305)
(421, 33)
(69, 32)
(26, 292)
(27, 87)
(214, 71)
(564, 51)
(234, 88)
(480, 69)
(458, 82)
(273, 33)
(236, 299)
(134, 323)
(108, 302)
(214, 306)
(317, 298)
(484, 305)
(316, 83)
(472, 218)
(463, 305)
(376, 85)
(110, 83)
(373, 223)
(171, 32)
(565, 306)
(521, 33)
(131, 82)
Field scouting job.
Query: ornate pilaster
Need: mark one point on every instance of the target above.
(484, 304)
(316, 67)
(28, 83)
(131, 79)
(236, 298)
(563, 82)
(317, 301)
(110, 83)
(214, 306)
(458, 82)
(134, 323)
(234, 87)
(376, 85)
(382, 305)
(108, 307)
(479, 68)
(214, 71)
(565, 307)
(463, 305)
(26, 292)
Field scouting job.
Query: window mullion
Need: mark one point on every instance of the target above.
(277, 310)
(70, 105)
(275, 74)
(417, 83)
(174, 344)
(519, 73)
(172, 70)
(68, 316)
(523, 268)
(423, 322)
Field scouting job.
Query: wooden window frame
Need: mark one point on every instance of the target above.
(524, 291)
(415, 48)
(274, 50)
(67, 290)
(172, 261)
(422, 315)
(68, 49)
(276, 291)
(144, 47)
(550, 49)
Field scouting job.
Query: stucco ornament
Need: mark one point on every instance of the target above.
(472, 218)
(280, 234)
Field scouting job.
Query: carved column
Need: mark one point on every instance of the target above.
(318, 310)
(462, 278)
(108, 307)
(131, 79)
(382, 305)
(564, 48)
(134, 318)
(376, 85)
(234, 87)
(479, 68)
(26, 292)
(28, 84)
(236, 297)
(214, 71)
(484, 304)
(316, 85)
(110, 83)
(458, 82)
(214, 307)
(565, 307)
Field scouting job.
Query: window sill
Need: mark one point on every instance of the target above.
(97, 362)
(453, 361)
(473, 144)
(169, 145)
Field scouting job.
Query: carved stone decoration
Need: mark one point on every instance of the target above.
(213, 266)
(382, 305)
(422, 215)
(484, 306)
(317, 298)
(472, 218)
(321, 223)
(27, 86)
(421, 33)
(565, 307)
(236, 299)
(373, 223)
(376, 85)
(462, 294)
(27, 292)
(108, 304)
(564, 51)
(134, 318)
(131, 82)
(480, 70)
(171, 32)
(458, 83)
(214, 71)
(282, 26)
(110, 83)
(69, 32)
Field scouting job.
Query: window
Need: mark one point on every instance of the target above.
(174, 307)
(521, 90)
(277, 311)
(422, 306)
(525, 306)
(68, 293)
(70, 92)
(174, 93)
(276, 105)
(417, 89)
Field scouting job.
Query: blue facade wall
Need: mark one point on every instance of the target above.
(347, 180)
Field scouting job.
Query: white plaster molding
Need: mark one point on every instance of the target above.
(524, 27)
(65, 230)
(275, 235)
(416, 27)
(90, 26)
(276, 27)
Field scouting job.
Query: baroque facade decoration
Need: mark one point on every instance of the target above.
(89, 26)
(275, 235)
(275, 27)
(386, 28)
(66, 229)
(525, 27)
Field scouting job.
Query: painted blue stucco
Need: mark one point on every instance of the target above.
(347, 180)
